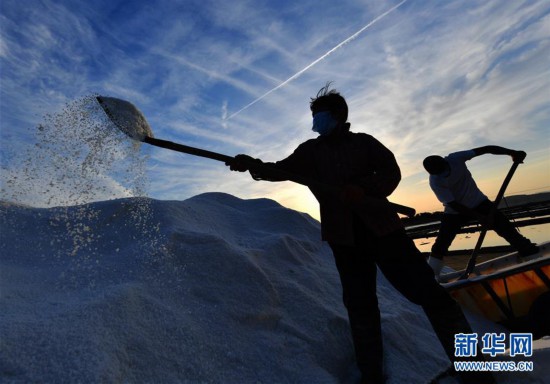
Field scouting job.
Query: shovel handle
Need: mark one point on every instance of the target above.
(372, 201)
(187, 149)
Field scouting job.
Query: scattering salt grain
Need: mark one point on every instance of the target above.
(81, 157)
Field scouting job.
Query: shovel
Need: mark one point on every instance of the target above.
(132, 122)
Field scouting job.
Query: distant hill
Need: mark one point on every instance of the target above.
(515, 200)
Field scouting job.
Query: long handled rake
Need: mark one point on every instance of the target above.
(500, 195)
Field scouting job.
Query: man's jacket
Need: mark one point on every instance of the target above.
(347, 158)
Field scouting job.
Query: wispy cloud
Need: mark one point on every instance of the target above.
(299, 73)
(419, 76)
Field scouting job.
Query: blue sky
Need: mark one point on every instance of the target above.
(427, 77)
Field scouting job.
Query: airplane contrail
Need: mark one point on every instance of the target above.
(299, 73)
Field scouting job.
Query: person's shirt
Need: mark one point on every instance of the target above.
(348, 158)
(458, 185)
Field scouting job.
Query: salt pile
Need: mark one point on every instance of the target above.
(222, 290)
(206, 300)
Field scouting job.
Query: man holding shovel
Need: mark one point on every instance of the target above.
(363, 236)
(452, 183)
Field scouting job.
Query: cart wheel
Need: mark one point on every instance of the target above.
(539, 316)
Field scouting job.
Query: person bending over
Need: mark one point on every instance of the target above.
(454, 186)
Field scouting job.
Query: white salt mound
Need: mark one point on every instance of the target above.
(212, 289)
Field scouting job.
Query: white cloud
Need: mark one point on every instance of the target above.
(431, 76)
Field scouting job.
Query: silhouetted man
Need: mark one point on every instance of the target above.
(361, 236)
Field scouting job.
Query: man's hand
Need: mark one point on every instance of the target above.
(518, 156)
(241, 163)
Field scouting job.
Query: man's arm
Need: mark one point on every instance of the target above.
(293, 165)
(257, 168)
(517, 156)
(386, 176)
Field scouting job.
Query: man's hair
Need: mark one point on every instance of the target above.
(330, 100)
(434, 164)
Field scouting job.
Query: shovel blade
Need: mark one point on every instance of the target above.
(126, 117)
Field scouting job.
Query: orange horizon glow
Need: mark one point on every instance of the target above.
(414, 191)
